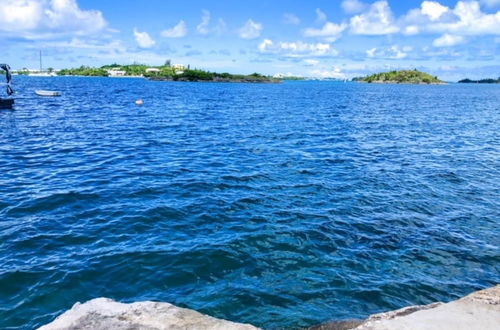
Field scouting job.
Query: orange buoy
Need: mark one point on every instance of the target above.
(139, 102)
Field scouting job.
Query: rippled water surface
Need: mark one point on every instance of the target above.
(281, 205)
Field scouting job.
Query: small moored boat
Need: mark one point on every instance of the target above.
(47, 93)
(8, 102)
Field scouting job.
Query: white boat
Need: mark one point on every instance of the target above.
(47, 93)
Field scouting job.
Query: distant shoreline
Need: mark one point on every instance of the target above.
(480, 81)
(166, 72)
(242, 81)
(75, 75)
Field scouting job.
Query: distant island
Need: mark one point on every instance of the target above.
(169, 72)
(481, 81)
(401, 77)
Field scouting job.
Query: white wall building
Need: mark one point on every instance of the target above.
(115, 72)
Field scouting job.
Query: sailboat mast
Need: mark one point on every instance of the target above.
(40, 61)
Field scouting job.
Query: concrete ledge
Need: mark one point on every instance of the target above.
(477, 311)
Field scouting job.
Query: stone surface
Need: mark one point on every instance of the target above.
(107, 314)
(338, 325)
(479, 310)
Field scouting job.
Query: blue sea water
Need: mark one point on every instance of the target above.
(282, 205)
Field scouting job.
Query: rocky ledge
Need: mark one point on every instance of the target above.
(107, 314)
(479, 310)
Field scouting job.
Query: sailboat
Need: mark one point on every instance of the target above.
(41, 92)
(42, 73)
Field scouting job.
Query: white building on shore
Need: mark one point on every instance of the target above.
(116, 72)
(178, 68)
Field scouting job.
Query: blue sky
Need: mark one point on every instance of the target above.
(452, 39)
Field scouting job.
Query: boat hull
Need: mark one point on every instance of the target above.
(6, 103)
(47, 93)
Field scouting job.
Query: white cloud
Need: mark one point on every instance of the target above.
(448, 40)
(465, 19)
(411, 30)
(434, 10)
(473, 21)
(442, 53)
(335, 73)
(371, 52)
(394, 52)
(178, 31)
(296, 49)
(320, 16)
(311, 62)
(250, 30)
(42, 19)
(220, 27)
(202, 28)
(291, 19)
(491, 3)
(330, 31)
(378, 20)
(447, 68)
(353, 6)
(265, 45)
(305, 48)
(143, 39)
(114, 46)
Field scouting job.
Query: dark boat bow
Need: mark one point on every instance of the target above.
(7, 103)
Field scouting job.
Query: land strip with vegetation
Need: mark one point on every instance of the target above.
(480, 81)
(401, 77)
(166, 72)
(201, 75)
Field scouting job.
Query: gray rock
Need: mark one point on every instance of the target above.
(104, 314)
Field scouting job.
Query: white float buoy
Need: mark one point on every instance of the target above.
(139, 102)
